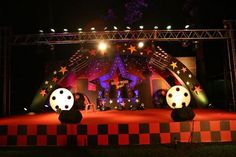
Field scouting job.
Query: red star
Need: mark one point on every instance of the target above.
(118, 47)
(63, 70)
(92, 52)
(148, 50)
(43, 92)
(54, 79)
(197, 89)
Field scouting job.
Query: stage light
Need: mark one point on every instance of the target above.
(187, 26)
(128, 28)
(80, 29)
(40, 31)
(93, 29)
(25, 109)
(115, 28)
(105, 28)
(155, 27)
(65, 30)
(46, 106)
(168, 27)
(141, 27)
(140, 44)
(52, 30)
(102, 46)
(110, 101)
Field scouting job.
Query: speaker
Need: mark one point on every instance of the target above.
(182, 114)
(71, 116)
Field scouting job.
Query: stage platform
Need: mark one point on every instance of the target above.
(113, 127)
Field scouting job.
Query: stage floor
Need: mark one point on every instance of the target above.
(115, 116)
(113, 127)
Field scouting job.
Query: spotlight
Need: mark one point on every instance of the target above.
(65, 30)
(110, 101)
(141, 27)
(40, 31)
(52, 30)
(93, 29)
(187, 26)
(155, 27)
(105, 28)
(128, 28)
(102, 46)
(80, 29)
(140, 44)
(115, 28)
(25, 109)
(168, 27)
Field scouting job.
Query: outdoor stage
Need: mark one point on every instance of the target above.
(113, 127)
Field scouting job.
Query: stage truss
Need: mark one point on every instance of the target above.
(119, 36)
(227, 34)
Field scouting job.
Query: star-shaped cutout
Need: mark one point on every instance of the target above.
(197, 89)
(117, 65)
(92, 52)
(174, 65)
(54, 79)
(43, 92)
(184, 69)
(63, 70)
(132, 49)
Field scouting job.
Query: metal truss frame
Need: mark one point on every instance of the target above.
(119, 36)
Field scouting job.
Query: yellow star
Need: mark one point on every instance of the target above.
(43, 92)
(174, 65)
(63, 70)
(132, 49)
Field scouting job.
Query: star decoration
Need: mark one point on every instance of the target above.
(63, 70)
(92, 52)
(184, 69)
(148, 50)
(54, 79)
(123, 103)
(174, 65)
(118, 47)
(197, 89)
(43, 92)
(132, 49)
(117, 65)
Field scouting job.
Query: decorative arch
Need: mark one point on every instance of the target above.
(156, 58)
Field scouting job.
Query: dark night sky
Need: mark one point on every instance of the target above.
(28, 16)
